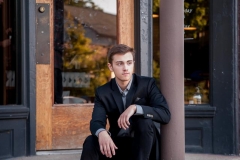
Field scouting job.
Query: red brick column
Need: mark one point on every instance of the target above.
(172, 77)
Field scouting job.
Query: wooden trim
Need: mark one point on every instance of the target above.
(73, 105)
(44, 94)
(143, 37)
(200, 111)
(125, 22)
(30, 82)
(14, 112)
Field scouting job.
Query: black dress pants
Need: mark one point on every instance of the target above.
(139, 147)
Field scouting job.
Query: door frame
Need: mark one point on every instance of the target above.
(48, 114)
(29, 47)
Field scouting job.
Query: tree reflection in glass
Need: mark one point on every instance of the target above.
(87, 38)
(196, 48)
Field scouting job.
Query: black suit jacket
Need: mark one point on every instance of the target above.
(109, 104)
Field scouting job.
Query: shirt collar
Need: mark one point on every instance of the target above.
(128, 86)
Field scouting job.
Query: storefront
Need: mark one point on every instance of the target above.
(53, 58)
(212, 126)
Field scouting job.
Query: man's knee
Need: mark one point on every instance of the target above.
(143, 124)
(90, 142)
(90, 148)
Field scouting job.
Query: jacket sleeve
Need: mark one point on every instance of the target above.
(99, 117)
(157, 108)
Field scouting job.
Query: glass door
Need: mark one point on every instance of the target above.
(81, 33)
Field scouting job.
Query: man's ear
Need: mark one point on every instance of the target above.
(110, 67)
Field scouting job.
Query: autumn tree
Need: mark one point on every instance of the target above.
(80, 55)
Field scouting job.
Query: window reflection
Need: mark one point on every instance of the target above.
(156, 42)
(86, 35)
(10, 53)
(196, 49)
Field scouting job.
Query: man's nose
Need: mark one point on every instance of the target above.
(125, 66)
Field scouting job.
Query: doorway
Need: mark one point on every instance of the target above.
(65, 86)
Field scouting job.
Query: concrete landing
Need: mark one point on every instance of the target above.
(75, 155)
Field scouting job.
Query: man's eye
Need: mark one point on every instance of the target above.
(129, 63)
(119, 64)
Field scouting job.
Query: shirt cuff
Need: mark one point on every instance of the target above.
(139, 110)
(100, 130)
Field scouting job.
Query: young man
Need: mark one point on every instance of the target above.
(131, 103)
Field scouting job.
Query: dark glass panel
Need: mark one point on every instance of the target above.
(10, 52)
(196, 51)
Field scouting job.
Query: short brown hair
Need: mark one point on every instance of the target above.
(119, 49)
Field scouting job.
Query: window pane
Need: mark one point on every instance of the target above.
(156, 42)
(10, 53)
(196, 51)
(82, 40)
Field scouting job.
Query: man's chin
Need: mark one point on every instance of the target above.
(126, 78)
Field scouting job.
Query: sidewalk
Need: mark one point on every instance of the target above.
(193, 156)
(75, 155)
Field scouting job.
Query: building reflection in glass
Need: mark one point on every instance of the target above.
(196, 50)
(88, 33)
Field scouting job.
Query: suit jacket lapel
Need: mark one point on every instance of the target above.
(117, 96)
(131, 92)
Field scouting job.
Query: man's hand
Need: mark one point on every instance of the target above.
(123, 120)
(107, 146)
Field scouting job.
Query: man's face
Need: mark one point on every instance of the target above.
(122, 66)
